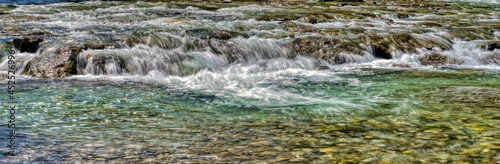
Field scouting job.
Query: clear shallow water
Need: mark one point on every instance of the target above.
(396, 116)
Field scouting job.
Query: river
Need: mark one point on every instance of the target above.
(247, 83)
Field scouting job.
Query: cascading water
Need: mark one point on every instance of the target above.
(229, 82)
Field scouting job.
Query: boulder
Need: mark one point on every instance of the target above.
(58, 62)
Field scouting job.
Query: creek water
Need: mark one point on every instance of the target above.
(173, 96)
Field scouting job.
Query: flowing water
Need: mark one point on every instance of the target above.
(225, 83)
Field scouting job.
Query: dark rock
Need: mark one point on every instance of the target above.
(29, 45)
(382, 53)
(493, 46)
(490, 46)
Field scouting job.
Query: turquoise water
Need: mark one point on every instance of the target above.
(395, 116)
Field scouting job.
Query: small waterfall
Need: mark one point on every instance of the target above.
(21, 59)
(212, 55)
